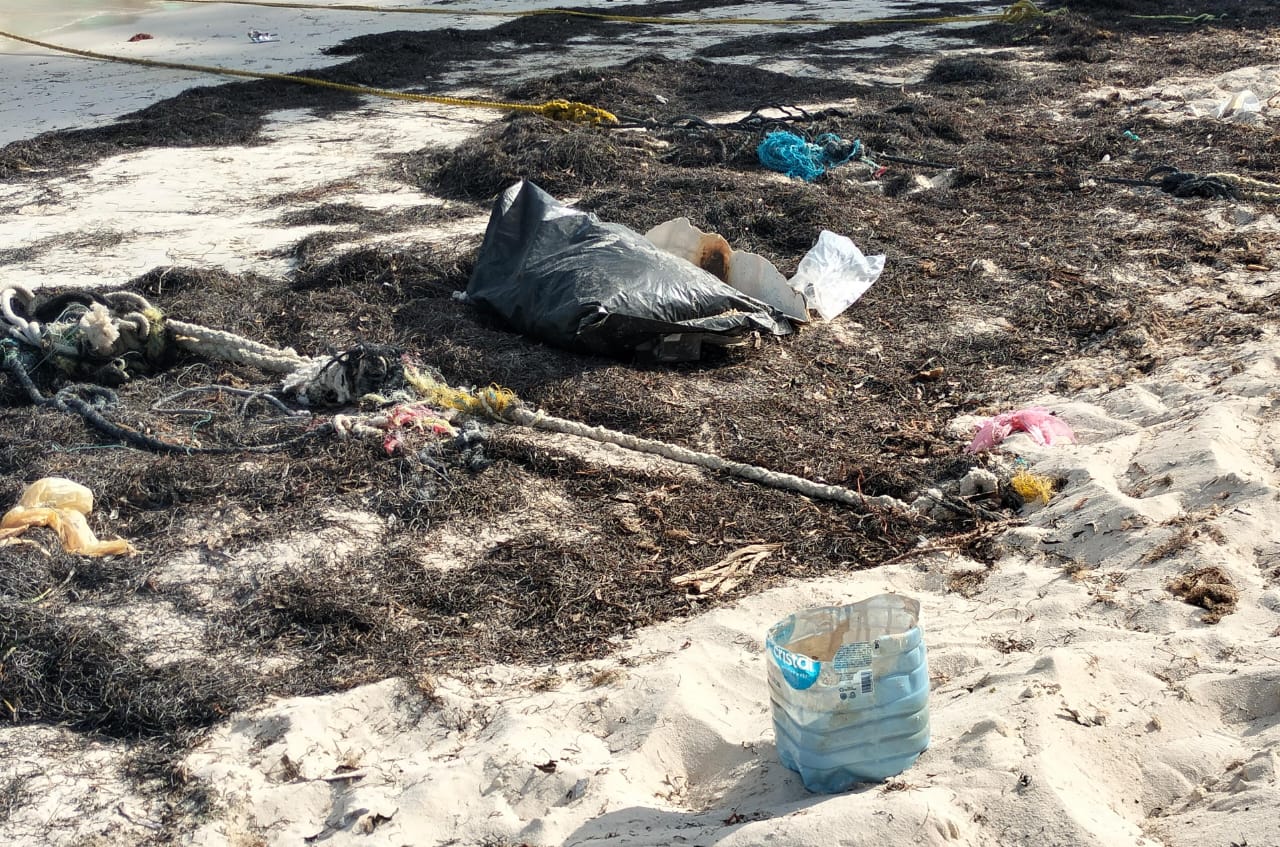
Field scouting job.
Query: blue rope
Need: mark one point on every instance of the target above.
(788, 153)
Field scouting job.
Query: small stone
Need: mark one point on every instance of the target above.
(944, 180)
(984, 267)
(977, 482)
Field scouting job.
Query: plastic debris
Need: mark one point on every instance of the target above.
(63, 506)
(831, 276)
(750, 273)
(834, 274)
(257, 36)
(142, 36)
(788, 153)
(1242, 107)
(416, 416)
(567, 278)
(849, 691)
(1044, 428)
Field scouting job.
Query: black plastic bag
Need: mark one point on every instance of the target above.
(563, 276)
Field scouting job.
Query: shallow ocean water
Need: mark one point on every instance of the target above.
(37, 17)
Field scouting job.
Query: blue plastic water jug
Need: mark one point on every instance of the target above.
(850, 691)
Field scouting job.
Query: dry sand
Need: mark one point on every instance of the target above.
(1075, 699)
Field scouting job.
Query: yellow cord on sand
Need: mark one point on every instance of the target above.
(560, 110)
(1021, 10)
(493, 402)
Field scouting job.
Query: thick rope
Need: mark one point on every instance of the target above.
(229, 347)
(1022, 10)
(495, 403)
(503, 406)
(1247, 188)
(1204, 18)
(561, 110)
(709, 461)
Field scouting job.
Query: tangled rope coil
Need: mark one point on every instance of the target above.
(90, 401)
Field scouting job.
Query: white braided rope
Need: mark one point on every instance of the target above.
(1248, 188)
(28, 332)
(229, 347)
(710, 461)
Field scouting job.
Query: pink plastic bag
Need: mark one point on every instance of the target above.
(1038, 422)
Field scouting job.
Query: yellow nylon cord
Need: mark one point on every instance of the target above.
(564, 110)
(1020, 11)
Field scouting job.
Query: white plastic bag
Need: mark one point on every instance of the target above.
(834, 274)
(1243, 107)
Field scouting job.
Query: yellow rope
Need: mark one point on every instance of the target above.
(561, 110)
(493, 402)
(1021, 10)
(1032, 488)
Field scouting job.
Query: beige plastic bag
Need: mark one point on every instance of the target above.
(63, 506)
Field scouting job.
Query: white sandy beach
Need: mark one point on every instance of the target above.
(1076, 701)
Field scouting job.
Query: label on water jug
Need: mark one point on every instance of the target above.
(800, 672)
(852, 664)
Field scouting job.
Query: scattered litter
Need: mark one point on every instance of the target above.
(750, 273)
(379, 373)
(834, 274)
(565, 277)
(391, 425)
(938, 182)
(257, 36)
(849, 691)
(1243, 107)
(63, 506)
(788, 153)
(978, 482)
(142, 36)
(1042, 425)
(831, 276)
(1131, 135)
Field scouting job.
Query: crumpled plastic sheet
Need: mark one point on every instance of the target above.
(63, 506)
(1043, 426)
